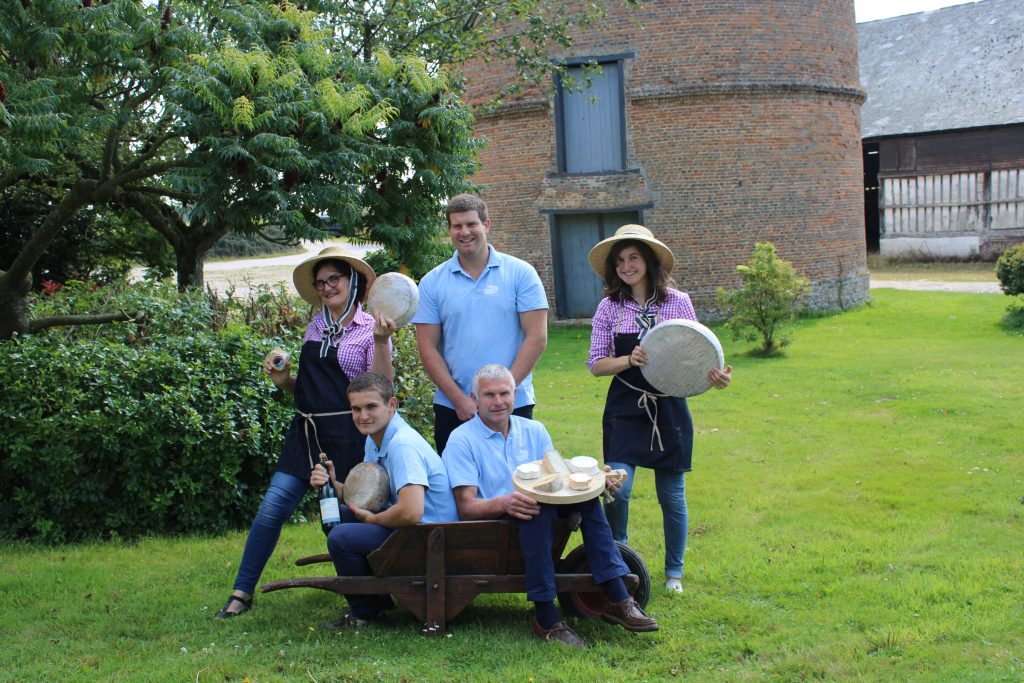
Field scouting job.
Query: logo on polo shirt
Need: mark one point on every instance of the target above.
(491, 289)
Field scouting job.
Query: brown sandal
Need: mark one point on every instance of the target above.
(245, 602)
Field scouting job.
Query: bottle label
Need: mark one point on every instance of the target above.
(329, 513)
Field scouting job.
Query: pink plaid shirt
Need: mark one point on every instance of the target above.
(613, 317)
(355, 345)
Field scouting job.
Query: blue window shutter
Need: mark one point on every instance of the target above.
(592, 122)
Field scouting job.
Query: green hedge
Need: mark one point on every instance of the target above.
(101, 438)
(172, 427)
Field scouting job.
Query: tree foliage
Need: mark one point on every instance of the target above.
(210, 118)
(767, 298)
(166, 426)
(450, 32)
(96, 246)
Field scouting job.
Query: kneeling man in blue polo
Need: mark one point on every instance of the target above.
(481, 456)
(419, 489)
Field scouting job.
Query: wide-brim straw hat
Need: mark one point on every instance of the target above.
(636, 233)
(303, 274)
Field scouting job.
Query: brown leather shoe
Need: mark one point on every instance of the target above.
(629, 616)
(561, 633)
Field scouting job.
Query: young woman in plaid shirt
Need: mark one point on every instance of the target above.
(642, 427)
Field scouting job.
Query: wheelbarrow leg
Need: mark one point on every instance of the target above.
(435, 584)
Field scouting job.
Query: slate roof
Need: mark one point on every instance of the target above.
(950, 68)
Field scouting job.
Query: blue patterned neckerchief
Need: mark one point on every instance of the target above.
(646, 317)
(333, 328)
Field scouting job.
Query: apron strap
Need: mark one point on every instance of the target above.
(649, 402)
(307, 421)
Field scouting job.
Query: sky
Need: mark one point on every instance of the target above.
(869, 10)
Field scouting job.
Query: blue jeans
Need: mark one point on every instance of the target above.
(671, 489)
(349, 543)
(279, 502)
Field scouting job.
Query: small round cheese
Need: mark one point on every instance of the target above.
(580, 481)
(529, 470)
(583, 463)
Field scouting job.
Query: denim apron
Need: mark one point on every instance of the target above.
(642, 426)
(323, 418)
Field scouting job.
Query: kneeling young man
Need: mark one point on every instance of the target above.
(481, 456)
(418, 482)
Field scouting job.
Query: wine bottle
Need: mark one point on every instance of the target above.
(330, 514)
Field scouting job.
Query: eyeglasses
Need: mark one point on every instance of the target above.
(333, 281)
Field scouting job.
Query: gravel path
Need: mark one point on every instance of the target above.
(939, 286)
(243, 273)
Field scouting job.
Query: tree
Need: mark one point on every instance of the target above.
(767, 298)
(70, 76)
(207, 120)
(97, 246)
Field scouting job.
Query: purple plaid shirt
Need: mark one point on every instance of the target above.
(355, 348)
(613, 317)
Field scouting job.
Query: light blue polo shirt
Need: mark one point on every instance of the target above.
(479, 319)
(478, 456)
(409, 459)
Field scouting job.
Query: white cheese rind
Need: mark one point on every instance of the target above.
(529, 470)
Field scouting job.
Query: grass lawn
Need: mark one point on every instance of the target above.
(855, 514)
(882, 268)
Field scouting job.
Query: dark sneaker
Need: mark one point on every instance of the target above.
(629, 616)
(560, 633)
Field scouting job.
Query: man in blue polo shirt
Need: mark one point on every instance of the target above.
(480, 306)
(418, 482)
(481, 456)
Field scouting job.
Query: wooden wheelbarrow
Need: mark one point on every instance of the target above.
(436, 570)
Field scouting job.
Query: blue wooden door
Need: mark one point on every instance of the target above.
(578, 289)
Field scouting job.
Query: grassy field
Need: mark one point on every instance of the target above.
(883, 268)
(855, 511)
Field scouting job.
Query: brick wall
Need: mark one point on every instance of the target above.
(742, 126)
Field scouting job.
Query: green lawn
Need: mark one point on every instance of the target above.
(855, 514)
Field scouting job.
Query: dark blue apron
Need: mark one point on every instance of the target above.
(320, 389)
(629, 431)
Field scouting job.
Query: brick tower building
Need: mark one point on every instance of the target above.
(717, 124)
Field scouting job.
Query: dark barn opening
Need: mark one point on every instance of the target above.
(871, 227)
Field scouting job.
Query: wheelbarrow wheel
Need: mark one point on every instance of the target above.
(591, 605)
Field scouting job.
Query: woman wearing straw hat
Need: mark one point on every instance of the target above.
(636, 269)
(341, 342)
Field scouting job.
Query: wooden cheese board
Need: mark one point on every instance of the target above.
(553, 483)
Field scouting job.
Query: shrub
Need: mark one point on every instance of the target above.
(176, 434)
(1010, 270)
(413, 388)
(166, 427)
(1014, 318)
(769, 296)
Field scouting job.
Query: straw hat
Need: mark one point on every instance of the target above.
(630, 232)
(303, 274)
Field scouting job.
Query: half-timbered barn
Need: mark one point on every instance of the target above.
(943, 130)
(717, 124)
